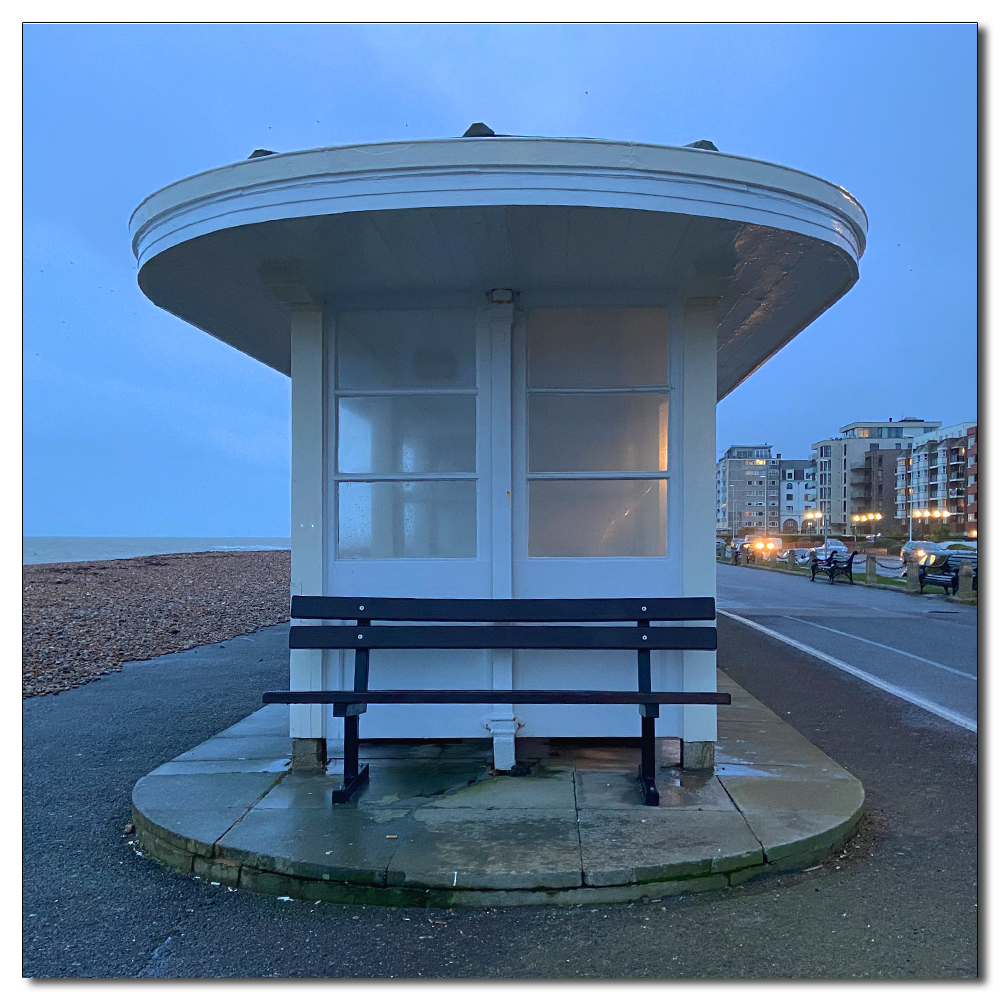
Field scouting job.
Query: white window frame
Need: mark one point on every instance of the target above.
(462, 576)
(597, 575)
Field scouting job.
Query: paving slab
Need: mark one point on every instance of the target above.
(620, 848)
(195, 792)
(271, 720)
(435, 826)
(215, 766)
(490, 848)
(308, 843)
(789, 815)
(192, 811)
(243, 747)
(544, 788)
(607, 789)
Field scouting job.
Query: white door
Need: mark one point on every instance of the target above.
(409, 430)
(592, 446)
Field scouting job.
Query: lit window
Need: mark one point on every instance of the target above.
(577, 436)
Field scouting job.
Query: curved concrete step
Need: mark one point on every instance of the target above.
(434, 826)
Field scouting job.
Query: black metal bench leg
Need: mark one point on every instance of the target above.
(647, 765)
(647, 769)
(354, 777)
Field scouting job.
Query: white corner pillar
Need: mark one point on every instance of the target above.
(699, 729)
(307, 723)
(502, 723)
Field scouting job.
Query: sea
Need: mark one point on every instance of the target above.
(56, 549)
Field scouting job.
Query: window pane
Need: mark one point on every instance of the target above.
(606, 432)
(597, 517)
(388, 434)
(416, 349)
(406, 520)
(597, 348)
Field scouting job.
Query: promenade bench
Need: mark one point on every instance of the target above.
(432, 623)
(945, 574)
(834, 565)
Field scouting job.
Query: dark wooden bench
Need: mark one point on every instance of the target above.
(501, 633)
(945, 574)
(834, 565)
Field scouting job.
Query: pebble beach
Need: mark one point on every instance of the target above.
(82, 620)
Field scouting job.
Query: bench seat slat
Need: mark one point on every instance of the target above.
(517, 697)
(515, 610)
(499, 637)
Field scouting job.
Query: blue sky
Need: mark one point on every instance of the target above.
(137, 424)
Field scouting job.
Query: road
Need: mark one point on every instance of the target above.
(923, 647)
(900, 903)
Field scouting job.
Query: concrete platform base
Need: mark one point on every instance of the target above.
(437, 826)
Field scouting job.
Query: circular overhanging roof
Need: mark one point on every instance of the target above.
(233, 250)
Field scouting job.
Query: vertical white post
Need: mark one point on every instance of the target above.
(307, 723)
(502, 724)
(699, 725)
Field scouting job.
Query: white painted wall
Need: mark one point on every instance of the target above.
(308, 505)
(698, 506)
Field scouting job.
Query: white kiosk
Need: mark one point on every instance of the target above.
(505, 357)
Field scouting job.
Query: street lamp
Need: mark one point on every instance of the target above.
(863, 519)
(817, 515)
(925, 515)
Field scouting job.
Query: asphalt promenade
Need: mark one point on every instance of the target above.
(900, 900)
(924, 646)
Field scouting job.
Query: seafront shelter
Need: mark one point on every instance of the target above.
(505, 355)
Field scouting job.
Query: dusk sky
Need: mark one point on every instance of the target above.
(137, 424)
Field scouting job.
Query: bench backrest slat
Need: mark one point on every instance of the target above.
(500, 637)
(517, 610)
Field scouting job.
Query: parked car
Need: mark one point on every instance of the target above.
(933, 554)
(920, 552)
(834, 543)
(960, 545)
(822, 551)
(754, 546)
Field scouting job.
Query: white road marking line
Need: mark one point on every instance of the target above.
(892, 649)
(913, 699)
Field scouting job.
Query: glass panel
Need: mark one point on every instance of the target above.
(406, 520)
(597, 348)
(597, 517)
(606, 432)
(416, 349)
(408, 434)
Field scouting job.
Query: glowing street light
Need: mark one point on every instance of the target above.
(864, 519)
(924, 515)
(817, 515)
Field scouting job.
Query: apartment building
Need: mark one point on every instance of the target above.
(797, 492)
(935, 476)
(849, 472)
(972, 490)
(873, 485)
(747, 491)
